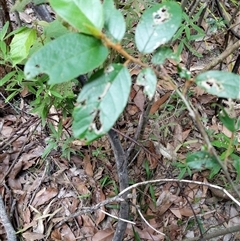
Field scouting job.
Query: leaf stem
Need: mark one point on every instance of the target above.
(118, 47)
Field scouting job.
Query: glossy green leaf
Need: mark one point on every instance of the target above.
(101, 101)
(157, 26)
(66, 57)
(220, 83)
(148, 79)
(115, 25)
(21, 44)
(86, 16)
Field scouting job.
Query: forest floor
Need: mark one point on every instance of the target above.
(40, 191)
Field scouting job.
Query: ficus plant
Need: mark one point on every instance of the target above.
(94, 29)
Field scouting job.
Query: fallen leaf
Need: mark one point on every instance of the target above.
(44, 195)
(32, 236)
(87, 165)
(103, 235)
(156, 105)
(139, 100)
(99, 197)
(66, 233)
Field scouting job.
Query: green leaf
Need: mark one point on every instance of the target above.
(220, 83)
(227, 121)
(21, 44)
(86, 16)
(203, 160)
(113, 18)
(7, 77)
(101, 101)
(148, 79)
(183, 72)
(157, 26)
(4, 31)
(162, 54)
(236, 162)
(66, 57)
(54, 30)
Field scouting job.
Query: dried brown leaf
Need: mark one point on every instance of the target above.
(99, 197)
(87, 165)
(132, 109)
(187, 212)
(139, 100)
(144, 234)
(80, 186)
(44, 196)
(66, 233)
(177, 135)
(56, 235)
(7, 131)
(176, 212)
(32, 236)
(103, 235)
(157, 104)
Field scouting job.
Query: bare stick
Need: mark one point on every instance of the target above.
(6, 223)
(222, 56)
(121, 161)
(119, 198)
(215, 234)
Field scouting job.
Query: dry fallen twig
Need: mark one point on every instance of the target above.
(6, 223)
(119, 198)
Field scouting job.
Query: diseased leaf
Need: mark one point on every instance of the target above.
(97, 113)
(202, 160)
(157, 26)
(66, 58)
(148, 79)
(220, 83)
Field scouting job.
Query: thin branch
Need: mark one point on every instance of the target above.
(122, 171)
(216, 233)
(124, 220)
(196, 117)
(180, 181)
(125, 192)
(222, 56)
(148, 224)
(11, 235)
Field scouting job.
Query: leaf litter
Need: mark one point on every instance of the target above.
(42, 192)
